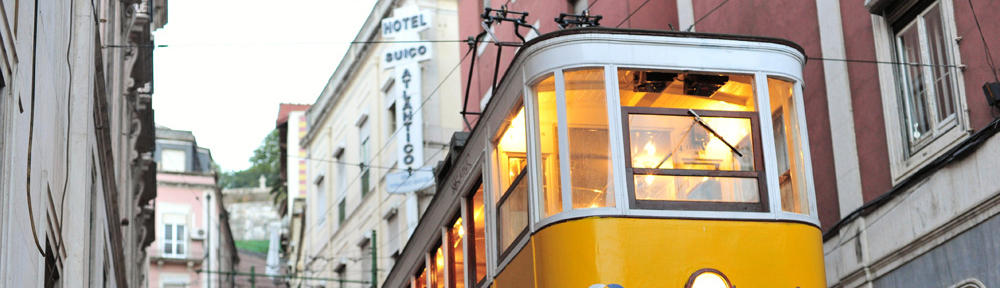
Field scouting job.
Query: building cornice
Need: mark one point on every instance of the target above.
(320, 110)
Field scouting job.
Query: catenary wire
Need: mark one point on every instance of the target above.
(636, 10)
(706, 15)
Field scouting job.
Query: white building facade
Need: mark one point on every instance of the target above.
(364, 139)
(76, 138)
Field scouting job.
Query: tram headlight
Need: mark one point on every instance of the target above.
(708, 278)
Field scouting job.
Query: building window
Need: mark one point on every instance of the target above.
(174, 240)
(342, 210)
(510, 165)
(478, 236)
(456, 256)
(365, 152)
(791, 168)
(319, 213)
(922, 94)
(926, 79)
(692, 141)
(173, 160)
(341, 271)
(366, 257)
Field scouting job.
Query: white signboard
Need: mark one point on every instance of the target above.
(405, 23)
(400, 53)
(405, 182)
(409, 118)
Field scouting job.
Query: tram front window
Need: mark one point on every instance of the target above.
(692, 137)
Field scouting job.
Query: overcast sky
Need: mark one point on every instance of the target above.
(229, 63)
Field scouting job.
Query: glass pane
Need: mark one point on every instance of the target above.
(168, 248)
(511, 151)
(696, 188)
(680, 142)
(422, 279)
(479, 233)
(937, 42)
(589, 152)
(457, 236)
(437, 281)
(915, 92)
(180, 248)
(704, 91)
(549, 143)
(513, 216)
(791, 172)
(168, 232)
(180, 233)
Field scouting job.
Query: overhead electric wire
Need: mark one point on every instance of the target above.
(884, 62)
(394, 134)
(636, 10)
(707, 14)
(989, 57)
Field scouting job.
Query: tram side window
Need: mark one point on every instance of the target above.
(692, 140)
(421, 279)
(548, 129)
(512, 201)
(456, 257)
(478, 235)
(437, 278)
(787, 143)
(589, 149)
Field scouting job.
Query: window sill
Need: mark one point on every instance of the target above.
(909, 165)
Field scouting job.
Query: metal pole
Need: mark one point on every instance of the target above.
(374, 261)
(208, 239)
(253, 277)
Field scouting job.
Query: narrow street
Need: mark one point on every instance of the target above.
(500, 143)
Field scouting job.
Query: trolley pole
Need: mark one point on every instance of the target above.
(374, 261)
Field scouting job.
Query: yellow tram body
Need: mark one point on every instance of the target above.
(692, 170)
(645, 252)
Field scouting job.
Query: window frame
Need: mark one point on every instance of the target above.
(759, 173)
(178, 240)
(504, 253)
(904, 162)
(470, 256)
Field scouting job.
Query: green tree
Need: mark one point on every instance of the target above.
(265, 161)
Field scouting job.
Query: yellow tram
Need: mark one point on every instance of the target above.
(627, 158)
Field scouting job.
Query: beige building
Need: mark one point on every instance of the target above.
(76, 135)
(355, 140)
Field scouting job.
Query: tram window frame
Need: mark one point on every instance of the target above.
(472, 258)
(758, 173)
(501, 197)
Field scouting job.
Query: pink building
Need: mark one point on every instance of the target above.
(187, 192)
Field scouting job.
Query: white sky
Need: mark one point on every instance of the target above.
(229, 63)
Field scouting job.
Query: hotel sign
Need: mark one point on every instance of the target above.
(405, 58)
(405, 22)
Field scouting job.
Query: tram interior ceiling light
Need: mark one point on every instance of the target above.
(992, 91)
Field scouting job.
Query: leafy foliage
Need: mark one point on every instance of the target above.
(264, 162)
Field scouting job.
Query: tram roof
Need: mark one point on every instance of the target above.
(662, 33)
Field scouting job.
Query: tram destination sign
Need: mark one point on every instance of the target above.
(408, 22)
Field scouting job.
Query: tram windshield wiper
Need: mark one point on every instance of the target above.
(698, 119)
